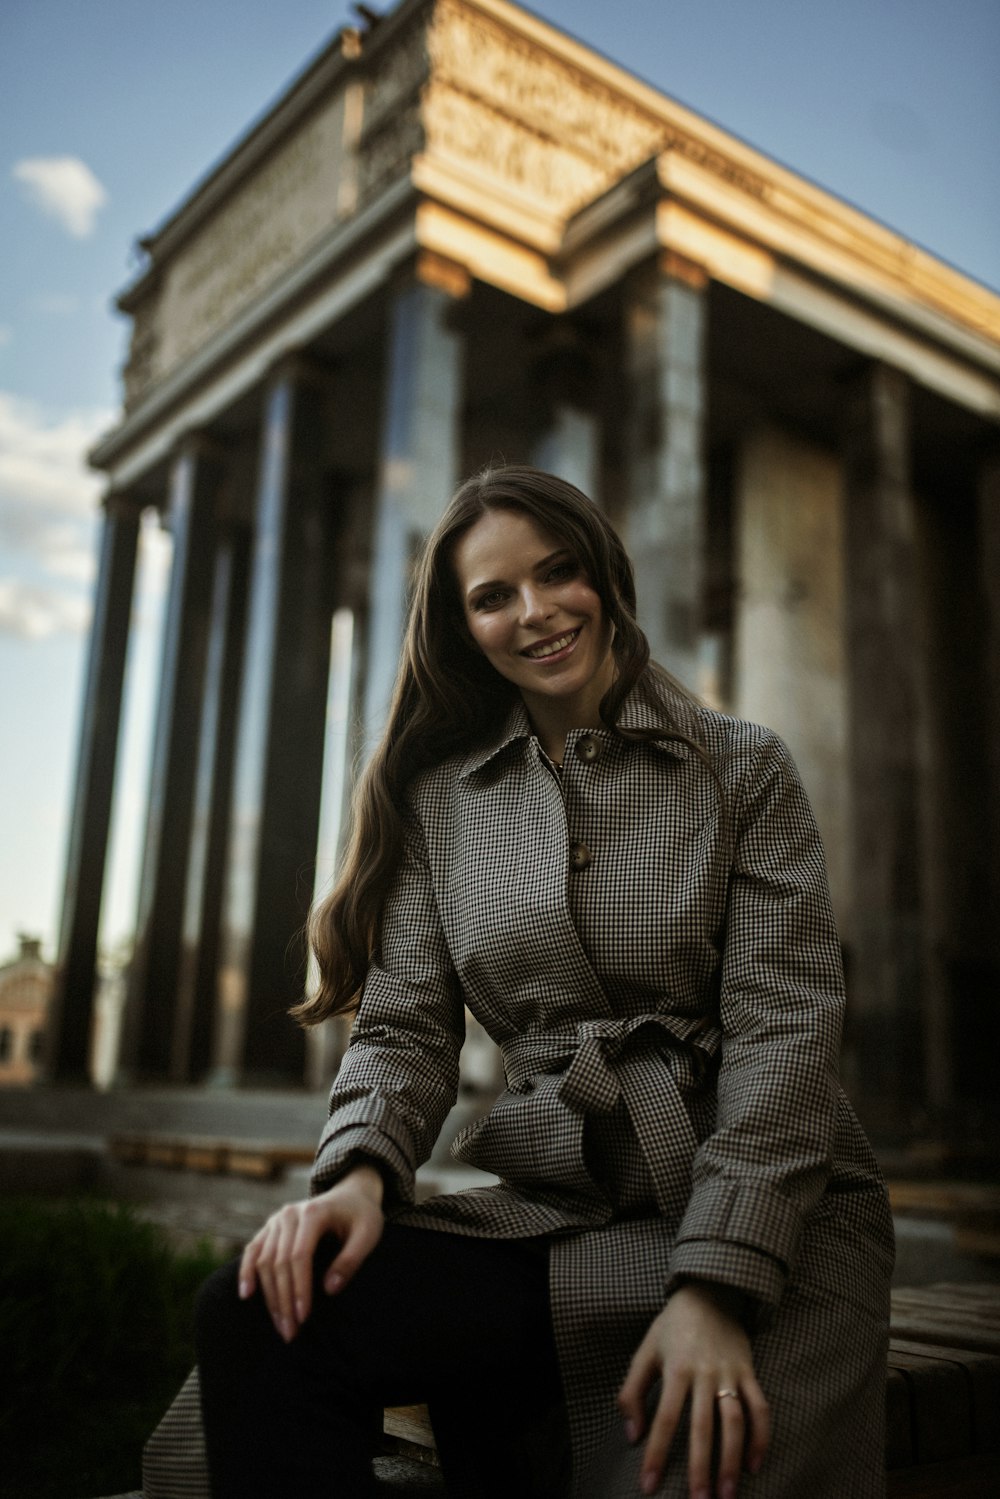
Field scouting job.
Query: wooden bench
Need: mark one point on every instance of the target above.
(942, 1394)
(262, 1160)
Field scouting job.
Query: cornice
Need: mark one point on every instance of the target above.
(349, 52)
(461, 123)
(743, 234)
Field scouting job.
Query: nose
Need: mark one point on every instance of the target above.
(535, 608)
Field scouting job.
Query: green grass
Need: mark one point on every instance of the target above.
(95, 1339)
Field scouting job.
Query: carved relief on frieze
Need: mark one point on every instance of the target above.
(142, 349)
(714, 161)
(543, 92)
(386, 153)
(256, 235)
(397, 75)
(506, 77)
(508, 152)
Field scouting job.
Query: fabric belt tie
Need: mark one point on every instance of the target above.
(603, 1061)
(591, 1053)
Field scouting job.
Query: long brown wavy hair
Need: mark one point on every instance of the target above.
(448, 700)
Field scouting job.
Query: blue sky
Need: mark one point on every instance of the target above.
(112, 109)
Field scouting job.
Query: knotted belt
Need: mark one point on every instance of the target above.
(645, 1061)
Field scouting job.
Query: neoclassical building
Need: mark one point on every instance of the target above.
(463, 236)
(25, 993)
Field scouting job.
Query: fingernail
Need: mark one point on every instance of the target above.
(244, 1289)
(334, 1283)
(702, 1494)
(648, 1485)
(287, 1331)
(631, 1430)
(300, 1310)
(728, 1489)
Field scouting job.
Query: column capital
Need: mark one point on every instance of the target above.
(432, 269)
(680, 268)
(122, 504)
(198, 445)
(300, 369)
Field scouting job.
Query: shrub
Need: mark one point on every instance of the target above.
(95, 1327)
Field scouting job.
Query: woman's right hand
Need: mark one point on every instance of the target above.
(280, 1257)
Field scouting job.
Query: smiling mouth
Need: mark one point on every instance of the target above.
(553, 647)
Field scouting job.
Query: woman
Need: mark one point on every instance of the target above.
(690, 1241)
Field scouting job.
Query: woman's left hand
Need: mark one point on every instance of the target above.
(699, 1349)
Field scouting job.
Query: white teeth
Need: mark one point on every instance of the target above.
(552, 647)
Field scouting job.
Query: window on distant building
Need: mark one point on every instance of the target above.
(6, 1043)
(36, 1045)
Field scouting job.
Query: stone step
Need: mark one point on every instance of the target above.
(395, 1477)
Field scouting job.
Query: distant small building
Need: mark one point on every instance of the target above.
(25, 991)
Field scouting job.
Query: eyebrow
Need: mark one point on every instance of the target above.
(543, 562)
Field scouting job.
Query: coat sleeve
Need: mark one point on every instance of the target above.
(399, 1077)
(762, 1170)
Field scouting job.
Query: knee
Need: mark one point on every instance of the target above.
(220, 1317)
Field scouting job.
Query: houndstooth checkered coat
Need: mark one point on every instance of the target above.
(659, 965)
(652, 947)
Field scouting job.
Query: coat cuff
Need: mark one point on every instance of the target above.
(758, 1276)
(367, 1128)
(744, 1236)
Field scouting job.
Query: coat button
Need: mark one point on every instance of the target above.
(579, 856)
(587, 749)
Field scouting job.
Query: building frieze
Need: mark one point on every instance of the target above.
(545, 93)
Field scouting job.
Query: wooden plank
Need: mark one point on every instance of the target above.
(966, 1478)
(940, 1404)
(411, 1423)
(978, 1239)
(262, 1159)
(255, 1163)
(945, 1198)
(957, 1316)
(972, 1296)
(164, 1153)
(982, 1370)
(204, 1157)
(899, 1445)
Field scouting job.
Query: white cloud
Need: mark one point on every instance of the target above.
(43, 460)
(68, 552)
(65, 188)
(48, 508)
(36, 612)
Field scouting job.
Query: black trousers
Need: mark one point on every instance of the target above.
(461, 1324)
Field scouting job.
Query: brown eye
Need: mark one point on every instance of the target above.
(489, 600)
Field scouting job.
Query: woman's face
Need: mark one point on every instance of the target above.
(531, 610)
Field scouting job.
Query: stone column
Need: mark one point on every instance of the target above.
(570, 447)
(70, 1017)
(151, 1002)
(666, 523)
(202, 909)
(418, 461)
(884, 673)
(279, 746)
(989, 572)
(566, 383)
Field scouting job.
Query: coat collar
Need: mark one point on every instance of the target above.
(639, 711)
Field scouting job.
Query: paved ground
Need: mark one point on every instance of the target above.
(56, 1141)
